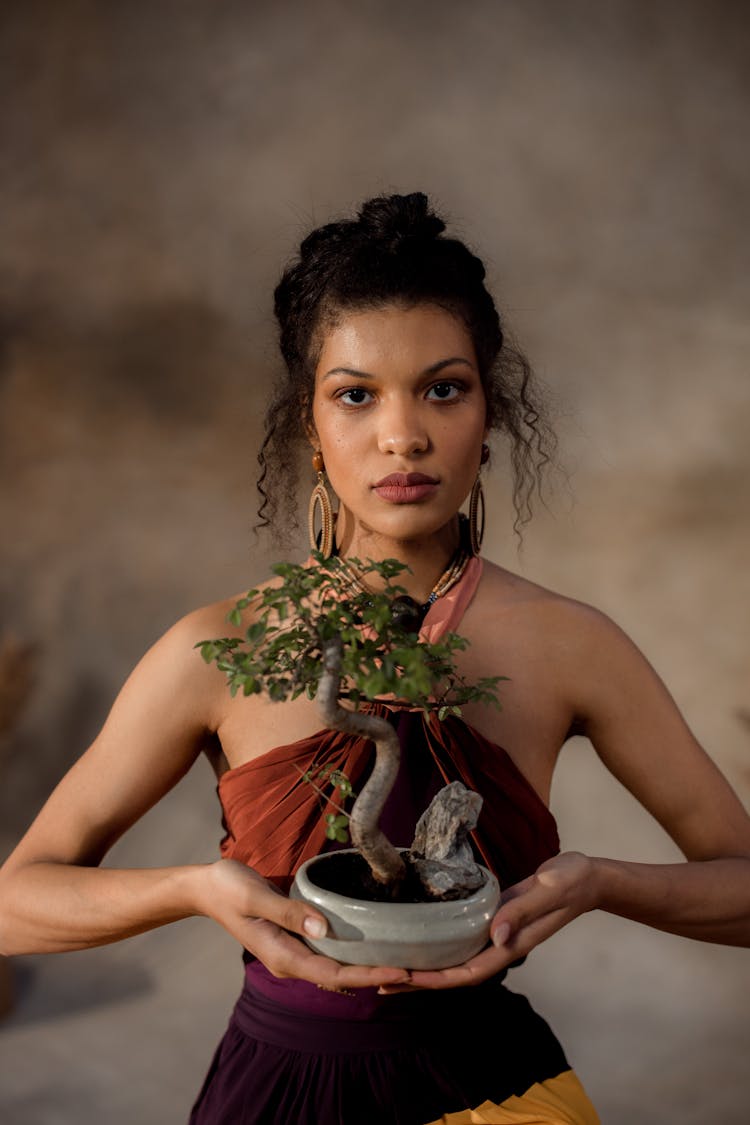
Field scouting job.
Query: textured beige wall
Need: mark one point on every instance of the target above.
(160, 162)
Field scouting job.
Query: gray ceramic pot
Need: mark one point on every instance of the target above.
(429, 935)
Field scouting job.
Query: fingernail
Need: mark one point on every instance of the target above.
(314, 927)
(500, 934)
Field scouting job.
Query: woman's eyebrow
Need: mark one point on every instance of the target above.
(431, 370)
(435, 367)
(349, 371)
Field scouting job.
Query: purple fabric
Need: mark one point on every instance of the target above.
(433, 1053)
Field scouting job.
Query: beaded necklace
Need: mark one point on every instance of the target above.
(406, 611)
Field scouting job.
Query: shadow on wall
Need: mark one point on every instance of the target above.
(17, 676)
(173, 358)
(127, 456)
(17, 673)
(44, 990)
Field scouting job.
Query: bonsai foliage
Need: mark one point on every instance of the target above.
(282, 649)
(315, 631)
(337, 823)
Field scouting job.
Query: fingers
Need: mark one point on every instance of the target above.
(557, 893)
(286, 956)
(481, 967)
(528, 936)
(520, 906)
(291, 914)
(247, 894)
(531, 912)
(506, 948)
(264, 921)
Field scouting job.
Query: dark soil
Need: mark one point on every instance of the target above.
(348, 874)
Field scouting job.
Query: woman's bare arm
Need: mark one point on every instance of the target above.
(626, 711)
(622, 705)
(644, 741)
(54, 896)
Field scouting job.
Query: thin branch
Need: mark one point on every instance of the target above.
(321, 792)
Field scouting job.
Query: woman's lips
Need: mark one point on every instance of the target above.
(405, 488)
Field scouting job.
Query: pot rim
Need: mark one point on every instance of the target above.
(490, 886)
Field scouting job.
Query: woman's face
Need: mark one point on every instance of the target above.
(400, 415)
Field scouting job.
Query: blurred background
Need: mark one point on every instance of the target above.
(160, 163)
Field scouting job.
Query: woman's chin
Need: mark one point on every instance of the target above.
(405, 526)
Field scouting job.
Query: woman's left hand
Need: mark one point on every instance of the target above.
(531, 911)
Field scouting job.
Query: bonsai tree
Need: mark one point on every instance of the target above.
(320, 633)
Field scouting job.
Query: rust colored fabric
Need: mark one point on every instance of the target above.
(272, 816)
(516, 831)
(273, 821)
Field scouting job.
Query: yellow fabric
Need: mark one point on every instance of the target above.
(558, 1101)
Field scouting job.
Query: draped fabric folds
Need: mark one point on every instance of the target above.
(273, 820)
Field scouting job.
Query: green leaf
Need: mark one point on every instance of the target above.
(256, 632)
(307, 607)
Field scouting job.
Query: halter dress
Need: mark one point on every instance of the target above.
(296, 1054)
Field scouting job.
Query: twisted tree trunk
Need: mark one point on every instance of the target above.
(383, 858)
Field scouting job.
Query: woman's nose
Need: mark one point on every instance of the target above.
(402, 431)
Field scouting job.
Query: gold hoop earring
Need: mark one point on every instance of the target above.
(476, 516)
(321, 540)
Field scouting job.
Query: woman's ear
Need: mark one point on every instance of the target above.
(308, 424)
(312, 435)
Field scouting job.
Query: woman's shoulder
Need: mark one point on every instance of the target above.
(176, 663)
(211, 620)
(505, 595)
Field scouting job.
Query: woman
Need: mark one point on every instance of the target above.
(397, 373)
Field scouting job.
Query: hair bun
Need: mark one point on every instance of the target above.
(392, 219)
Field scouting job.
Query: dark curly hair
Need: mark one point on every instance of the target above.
(394, 252)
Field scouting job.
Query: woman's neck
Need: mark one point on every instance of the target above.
(426, 558)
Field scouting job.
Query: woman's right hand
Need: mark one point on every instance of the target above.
(264, 921)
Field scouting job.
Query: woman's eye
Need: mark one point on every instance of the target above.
(354, 396)
(444, 392)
